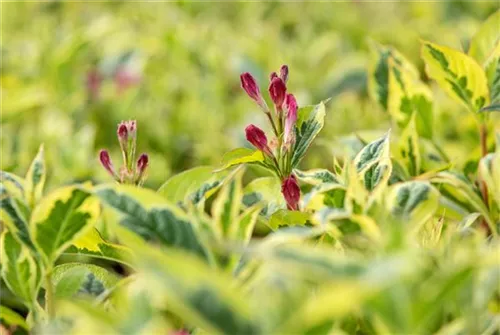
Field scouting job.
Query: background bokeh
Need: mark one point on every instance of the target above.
(71, 71)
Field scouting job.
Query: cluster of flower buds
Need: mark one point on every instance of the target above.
(283, 120)
(132, 171)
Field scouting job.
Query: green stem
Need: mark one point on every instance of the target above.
(268, 113)
(49, 295)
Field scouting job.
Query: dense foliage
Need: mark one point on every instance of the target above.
(397, 232)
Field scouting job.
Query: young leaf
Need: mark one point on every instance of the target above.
(61, 218)
(192, 186)
(458, 74)
(13, 184)
(72, 279)
(413, 202)
(310, 121)
(149, 216)
(373, 163)
(19, 270)
(35, 179)
(489, 172)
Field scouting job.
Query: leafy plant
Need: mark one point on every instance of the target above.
(394, 239)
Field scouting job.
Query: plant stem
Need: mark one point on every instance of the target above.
(49, 295)
(268, 113)
(483, 139)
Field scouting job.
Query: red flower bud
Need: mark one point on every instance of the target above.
(258, 138)
(122, 132)
(277, 91)
(250, 86)
(142, 163)
(291, 119)
(291, 192)
(106, 162)
(272, 76)
(284, 73)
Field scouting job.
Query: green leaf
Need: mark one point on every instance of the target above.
(241, 156)
(373, 163)
(192, 186)
(458, 74)
(266, 190)
(315, 176)
(285, 217)
(459, 190)
(13, 184)
(92, 244)
(12, 318)
(379, 71)
(408, 96)
(204, 297)
(35, 179)
(489, 172)
(61, 218)
(413, 202)
(14, 219)
(486, 40)
(226, 207)
(148, 215)
(310, 121)
(409, 148)
(19, 270)
(72, 279)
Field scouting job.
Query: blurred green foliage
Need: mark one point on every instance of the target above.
(184, 60)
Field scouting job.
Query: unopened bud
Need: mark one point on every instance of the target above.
(258, 138)
(106, 162)
(250, 86)
(291, 192)
(142, 163)
(290, 120)
(284, 73)
(272, 76)
(277, 91)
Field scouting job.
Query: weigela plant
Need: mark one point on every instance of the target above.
(132, 171)
(282, 119)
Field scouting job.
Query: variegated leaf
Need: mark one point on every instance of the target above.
(241, 156)
(408, 96)
(150, 216)
(20, 271)
(61, 218)
(315, 176)
(413, 202)
(310, 121)
(409, 148)
(192, 186)
(226, 207)
(486, 41)
(35, 179)
(74, 279)
(458, 74)
(267, 191)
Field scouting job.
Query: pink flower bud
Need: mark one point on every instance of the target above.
(284, 73)
(277, 91)
(122, 132)
(250, 86)
(291, 119)
(258, 138)
(142, 163)
(272, 76)
(106, 162)
(291, 192)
